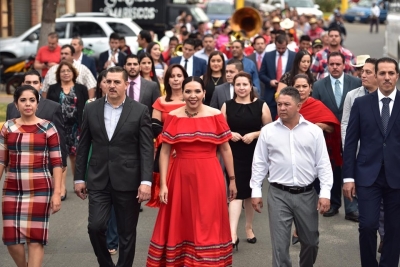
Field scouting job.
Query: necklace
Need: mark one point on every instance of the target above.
(215, 82)
(191, 115)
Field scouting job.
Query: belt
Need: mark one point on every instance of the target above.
(293, 189)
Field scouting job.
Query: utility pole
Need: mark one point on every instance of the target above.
(49, 12)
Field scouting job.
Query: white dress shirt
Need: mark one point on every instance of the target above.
(231, 90)
(293, 157)
(391, 103)
(189, 65)
(112, 64)
(341, 81)
(376, 11)
(285, 58)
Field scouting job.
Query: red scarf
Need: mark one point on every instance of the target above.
(316, 112)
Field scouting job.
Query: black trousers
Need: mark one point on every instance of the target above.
(126, 208)
(372, 22)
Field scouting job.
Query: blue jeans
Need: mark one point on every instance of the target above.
(112, 232)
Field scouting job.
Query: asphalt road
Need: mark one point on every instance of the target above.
(69, 242)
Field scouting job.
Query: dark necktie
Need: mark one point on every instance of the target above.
(131, 90)
(385, 115)
(186, 61)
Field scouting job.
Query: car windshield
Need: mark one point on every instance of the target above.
(300, 3)
(199, 14)
(218, 8)
(364, 3)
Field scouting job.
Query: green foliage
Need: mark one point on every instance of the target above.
(326, 5)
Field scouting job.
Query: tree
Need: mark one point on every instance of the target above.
(49, 12)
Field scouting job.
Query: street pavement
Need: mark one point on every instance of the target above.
(69, 242)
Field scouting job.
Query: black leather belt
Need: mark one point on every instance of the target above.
(293, 189)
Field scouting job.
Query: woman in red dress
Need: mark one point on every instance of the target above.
(26, 145)
(173, 99)
(192, 226)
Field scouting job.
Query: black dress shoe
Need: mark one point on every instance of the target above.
(352, 216)
(295, 240)
(331, 212)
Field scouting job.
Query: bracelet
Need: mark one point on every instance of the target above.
(231, 177)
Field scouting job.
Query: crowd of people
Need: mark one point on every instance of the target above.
(198, 120)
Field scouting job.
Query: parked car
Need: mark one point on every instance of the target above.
(93, 28)
(362, 12)
(306, 7)
(219, 10)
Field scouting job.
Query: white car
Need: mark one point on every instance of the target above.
(93, 28)
(306, 7)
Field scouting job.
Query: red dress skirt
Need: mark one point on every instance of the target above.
(193, 228)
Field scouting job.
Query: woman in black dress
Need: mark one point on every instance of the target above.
(245, 115)
(215, 74)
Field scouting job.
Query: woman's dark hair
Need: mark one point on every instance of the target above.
(295, 69)
(150, 46)
(99, 92)
(168, 89)
(302, 76)
(18, 92)
(153, 75)
(208, 74)
(71, 67)
(248, 76)
(193, 79)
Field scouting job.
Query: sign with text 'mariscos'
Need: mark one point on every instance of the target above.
(134, 9)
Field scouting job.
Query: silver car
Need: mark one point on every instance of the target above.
(93, 28)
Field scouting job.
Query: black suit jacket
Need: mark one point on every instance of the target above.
(90, 64)
(322, 90)
(103, 58)
(253, 58)
(149, 92)
(365, 126)
(81, 92)
(47, 110)
(127, 159)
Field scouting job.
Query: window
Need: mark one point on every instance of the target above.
(121, 29)
(87, 30)
(218, 8)
(60, 29)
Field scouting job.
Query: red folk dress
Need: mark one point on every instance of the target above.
(27, 190)
(193, 228)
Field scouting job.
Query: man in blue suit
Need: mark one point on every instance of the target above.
(193, 65)
(374, 173)
(89, 62)
(269, 73)
(248, 65)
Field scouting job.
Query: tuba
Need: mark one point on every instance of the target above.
(178, 52)
(245, 23)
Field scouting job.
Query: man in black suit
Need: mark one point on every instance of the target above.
(332, 91)
(373, 173)
(47, 110)
(273, 66)
(89, 62)
(113, 56)
(224, 92)
(257, 57)
(140, 89)
(143, 39)
(120, 169)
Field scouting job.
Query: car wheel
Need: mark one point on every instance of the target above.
(350, 21)
(13, 83)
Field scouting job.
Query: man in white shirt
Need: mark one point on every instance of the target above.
(79, 57)
(85, 77)
(294, 153)
(375, 13)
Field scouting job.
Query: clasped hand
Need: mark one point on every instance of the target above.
(247, 138)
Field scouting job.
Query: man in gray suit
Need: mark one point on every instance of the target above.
(224, 92)
(47, 109)
(139, 89)
(332, 91)
(120, 169)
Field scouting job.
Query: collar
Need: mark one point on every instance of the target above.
(106, 101)
(189, 59)
(392, 96)
(301, 120)
(136, 80)
(262, 54)
(110, 51)
(80, 57)
(341, 79)
(284, 54)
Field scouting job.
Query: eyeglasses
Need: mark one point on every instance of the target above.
(66, 71)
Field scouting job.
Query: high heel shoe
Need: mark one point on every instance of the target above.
(236, 244)
(252, 240)
(64, 197)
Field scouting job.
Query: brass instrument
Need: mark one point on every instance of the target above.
(178, 52)
(245, 23)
